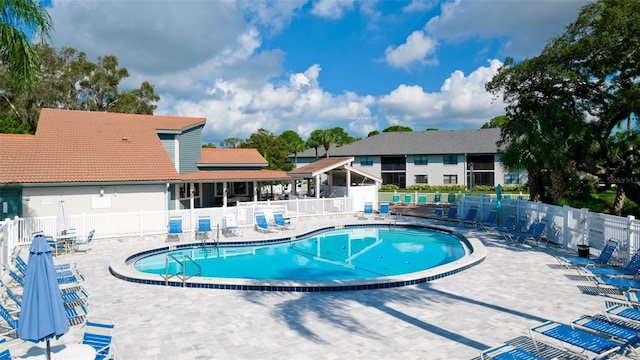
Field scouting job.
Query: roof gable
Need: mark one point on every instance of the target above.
(83, 146)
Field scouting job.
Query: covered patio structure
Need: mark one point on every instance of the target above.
(335, 177)
(223, 188)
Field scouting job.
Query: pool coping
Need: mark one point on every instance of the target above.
(122, 267)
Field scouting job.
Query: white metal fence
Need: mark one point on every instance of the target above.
(566, 226)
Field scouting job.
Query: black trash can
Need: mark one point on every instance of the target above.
(583, 251)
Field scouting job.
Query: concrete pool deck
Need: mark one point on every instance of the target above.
(516, 287)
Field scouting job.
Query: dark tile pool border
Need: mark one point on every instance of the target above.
(123, 268)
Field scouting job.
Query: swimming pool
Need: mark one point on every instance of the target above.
(338, 254)
(336, 258)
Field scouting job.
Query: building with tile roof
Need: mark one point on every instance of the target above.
(107, 162)
(444, 157)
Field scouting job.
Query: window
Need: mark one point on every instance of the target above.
(366, 161)
(421, 160)
(450, 179)
(240, 188)
(511, 179)
(393, 163)
(421, 179)
(450, 160)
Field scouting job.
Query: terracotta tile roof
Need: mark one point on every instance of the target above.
(238, 175)
(239, 157)
(82, 146)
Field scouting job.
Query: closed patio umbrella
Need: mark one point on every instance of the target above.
(62, 219)
(42, 314)
(498, 201)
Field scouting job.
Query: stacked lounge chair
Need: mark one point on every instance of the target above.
(602, 259)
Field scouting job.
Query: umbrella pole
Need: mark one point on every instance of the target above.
(48, 350)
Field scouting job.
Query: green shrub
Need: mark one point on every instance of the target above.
(389, 187)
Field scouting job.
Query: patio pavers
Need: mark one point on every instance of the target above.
(456, 317)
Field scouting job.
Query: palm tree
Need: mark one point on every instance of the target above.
(16, 17)
(315, 140)
(328, 137)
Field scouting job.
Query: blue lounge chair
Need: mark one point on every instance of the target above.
(533, 235)
(395, 198)
(602, 259)
(407, 199)
(384, 209)
(452, 214)
(438, 213)
(519, 228)
(620, 283)
(507, 226)
(631, 269)
(586, 341)
(437, 198)
(280, 222)
(84, 245)
(5, 354)
(508, 352)
(600, 325)
(76, 315)
(624, 313)
(422, 199)
(470, 218)
(204, 228)
(98, 333)
(10, 326)
(451, 198)
(491, 218)
(175, 228)
(261, 223)
(367, 213)
(56, 246)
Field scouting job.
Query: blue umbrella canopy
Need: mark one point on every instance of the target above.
(42, 314)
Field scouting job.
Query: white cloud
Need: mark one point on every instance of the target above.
(271, 15)
(524, 26)
(462, 102)
(420, 5)
(150, 36)
(331, 9)
(417, 48)
(237, 108)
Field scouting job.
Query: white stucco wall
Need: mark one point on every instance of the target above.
(362, 194)
(44, 201)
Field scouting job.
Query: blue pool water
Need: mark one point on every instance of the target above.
(350, 253)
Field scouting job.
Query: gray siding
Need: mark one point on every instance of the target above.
(190, 150)
(167, 141)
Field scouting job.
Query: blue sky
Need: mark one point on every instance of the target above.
(307, 65)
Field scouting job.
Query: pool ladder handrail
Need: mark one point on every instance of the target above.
(206, 237)
(181, 274)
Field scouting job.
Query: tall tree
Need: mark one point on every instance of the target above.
(273, 148)
(593, 68)
(68, 80)
(328, 137)
(495, 122)
(16, 17)
(340, 137)
(294, 142)
(315, 140)
(231, 143)
(397, 128)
